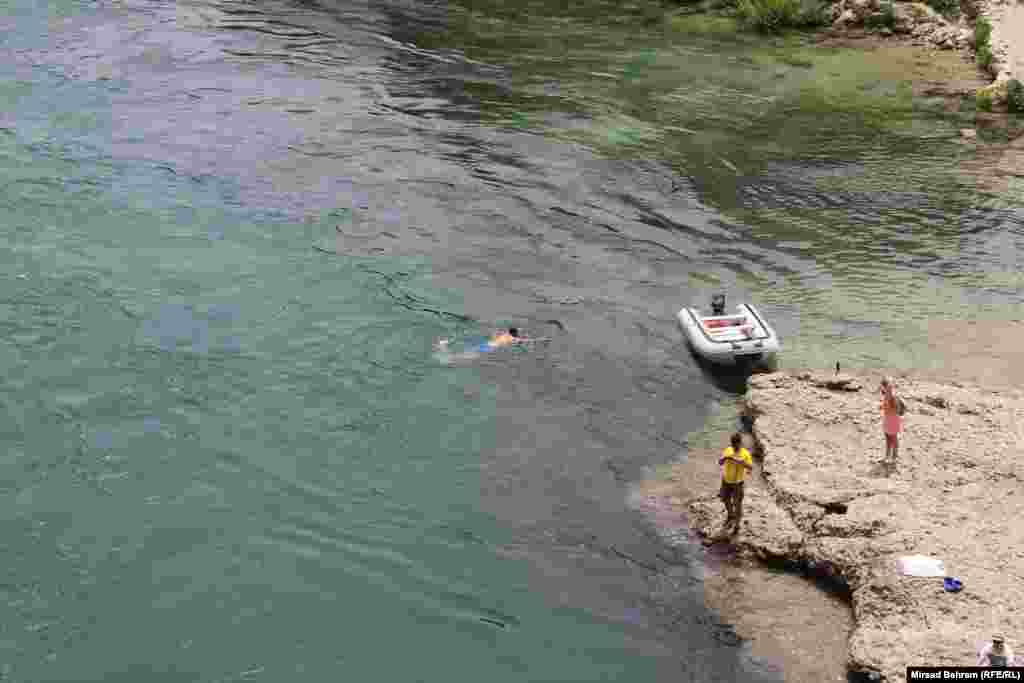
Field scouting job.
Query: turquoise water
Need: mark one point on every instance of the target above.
(228, 451)
(227, 456)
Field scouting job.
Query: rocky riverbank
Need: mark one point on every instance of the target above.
(823, 500)
(923, 26)
(914, 20)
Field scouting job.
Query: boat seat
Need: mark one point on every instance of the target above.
(715, 323)
(733, 333)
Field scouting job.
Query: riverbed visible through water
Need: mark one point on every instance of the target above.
(231, 231)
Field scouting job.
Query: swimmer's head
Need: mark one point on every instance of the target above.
(514, 331)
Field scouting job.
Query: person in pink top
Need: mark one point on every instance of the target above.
(892, 422)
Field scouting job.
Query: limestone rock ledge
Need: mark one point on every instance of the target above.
(914, 19)
(956, 493)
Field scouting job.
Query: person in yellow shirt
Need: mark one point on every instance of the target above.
(736, 463)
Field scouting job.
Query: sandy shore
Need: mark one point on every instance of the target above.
(826, 502)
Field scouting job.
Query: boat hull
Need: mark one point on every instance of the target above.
(754, 343)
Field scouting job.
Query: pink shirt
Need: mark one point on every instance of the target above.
(891, 421)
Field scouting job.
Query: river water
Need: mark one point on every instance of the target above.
(230, 233)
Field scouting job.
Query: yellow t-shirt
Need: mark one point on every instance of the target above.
(732, 471)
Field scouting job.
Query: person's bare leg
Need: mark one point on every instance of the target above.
(895, 447)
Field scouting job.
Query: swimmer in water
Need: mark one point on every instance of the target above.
(505, 338)
(511, 337)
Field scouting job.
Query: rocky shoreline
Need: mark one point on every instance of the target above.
(921, 25)
(824, 502)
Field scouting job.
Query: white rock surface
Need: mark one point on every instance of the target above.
(957, 494)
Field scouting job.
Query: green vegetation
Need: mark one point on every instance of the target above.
(982, 31)
(775, 16)
(814, 14)
(984, 56)
(982, 34)
(984, 101)
(885, 19)
(1015, 96)
(948, 8)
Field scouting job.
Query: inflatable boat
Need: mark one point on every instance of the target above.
(740, 337)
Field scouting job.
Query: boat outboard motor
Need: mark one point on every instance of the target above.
(718, 304)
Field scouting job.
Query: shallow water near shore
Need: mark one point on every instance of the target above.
(231, 233)
(797, 624)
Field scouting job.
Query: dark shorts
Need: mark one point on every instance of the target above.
(731, 492)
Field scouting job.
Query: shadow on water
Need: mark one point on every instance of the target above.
(730, 379)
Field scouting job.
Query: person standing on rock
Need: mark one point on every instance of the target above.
(736, 463)
(892, 420)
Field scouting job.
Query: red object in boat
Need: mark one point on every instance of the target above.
(727, 322)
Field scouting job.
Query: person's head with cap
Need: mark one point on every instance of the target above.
(997, 642)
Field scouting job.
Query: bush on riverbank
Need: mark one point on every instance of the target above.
(984, 56)
(982, 31)
(775, 16)
(947, 8)
(983, 100)
(1015, 96)
(982, 35)
(886, 18)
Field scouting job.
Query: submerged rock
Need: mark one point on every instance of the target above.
(955, 494)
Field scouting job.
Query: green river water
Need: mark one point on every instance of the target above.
(230, 456)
